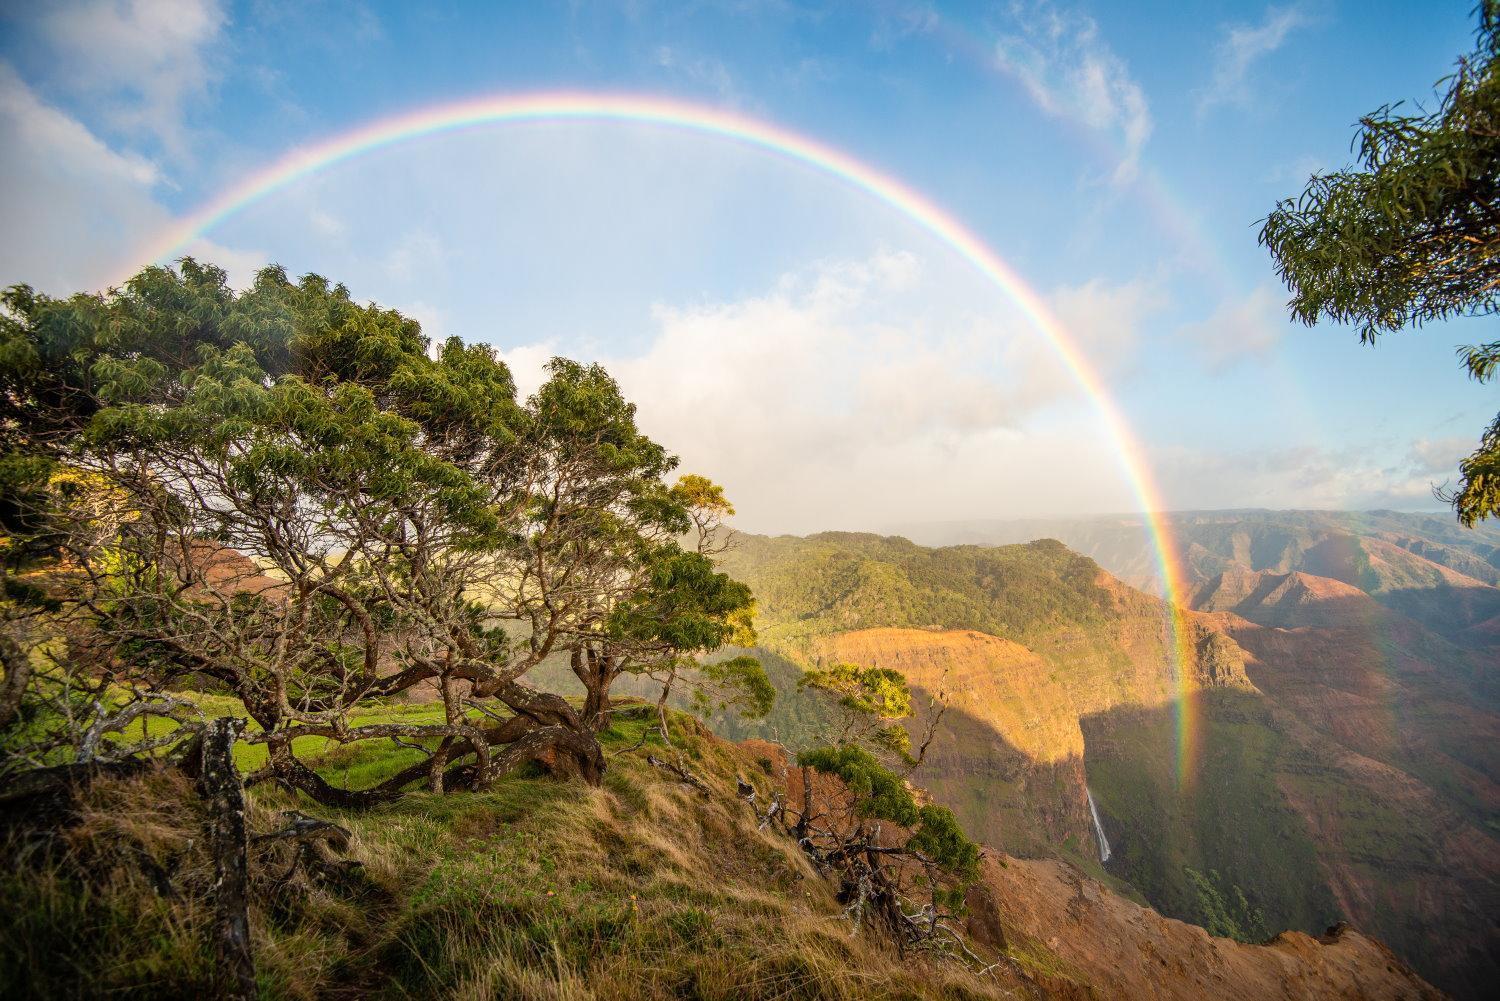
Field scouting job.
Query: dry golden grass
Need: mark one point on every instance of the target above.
(641, 889)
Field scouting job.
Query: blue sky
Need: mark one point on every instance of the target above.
(829, 361)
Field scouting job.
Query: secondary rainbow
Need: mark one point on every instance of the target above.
(761, 135)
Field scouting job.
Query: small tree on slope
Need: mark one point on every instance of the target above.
(902, 867)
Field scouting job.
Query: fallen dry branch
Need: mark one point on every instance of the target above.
(314, 839)
(683, 775)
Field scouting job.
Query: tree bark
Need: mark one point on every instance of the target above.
(219, 786)
(17, 673)
(293, 774)
(805, 820)
(597, 670)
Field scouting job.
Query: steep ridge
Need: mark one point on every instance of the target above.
(1377, 681)
(1424, 565)
(1278, 599)
(1126, 951)
(1077, 938)
(1481, 563)
(1345, 761)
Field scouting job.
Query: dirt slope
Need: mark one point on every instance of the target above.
(1123, 950)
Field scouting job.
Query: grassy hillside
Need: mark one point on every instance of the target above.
(646, 888)
(537, 889)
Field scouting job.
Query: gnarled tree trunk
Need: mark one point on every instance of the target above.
(219, 785)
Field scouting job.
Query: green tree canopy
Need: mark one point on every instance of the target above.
(1412, 233)
(311, 506)
(871, 703)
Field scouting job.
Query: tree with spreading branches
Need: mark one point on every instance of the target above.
(1412, 234)
(295, 499)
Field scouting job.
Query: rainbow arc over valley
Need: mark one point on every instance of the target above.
(563, 106)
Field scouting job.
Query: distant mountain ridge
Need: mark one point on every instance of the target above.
(1425, 565)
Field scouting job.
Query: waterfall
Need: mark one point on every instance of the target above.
(1104, 851)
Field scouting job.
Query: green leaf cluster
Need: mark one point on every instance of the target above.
(871, 701)
(1411, 234)
(880, 794)
(749, 688)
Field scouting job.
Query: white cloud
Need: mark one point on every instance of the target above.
(144, 61)
(1438, 456)
(35, 126)
(847, 396)
(1238, 51)
(1358, 476)
(1241, 329)
(77, 210)
(528, 365)
(1071, 72)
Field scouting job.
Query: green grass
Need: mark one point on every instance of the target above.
(357, 765)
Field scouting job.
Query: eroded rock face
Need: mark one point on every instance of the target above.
(1119, 949)
(1080, 941)
(1008, 753)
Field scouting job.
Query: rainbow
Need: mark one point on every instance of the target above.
(760, 135)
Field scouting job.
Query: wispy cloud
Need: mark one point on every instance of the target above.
(700, 72)
(413, 254)
(82, 205)
(142, 61)
(1238, 51)
(1071, 72)
(1240, 330)
(894, 24)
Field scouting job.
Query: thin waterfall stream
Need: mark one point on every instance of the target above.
(1104, 851)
